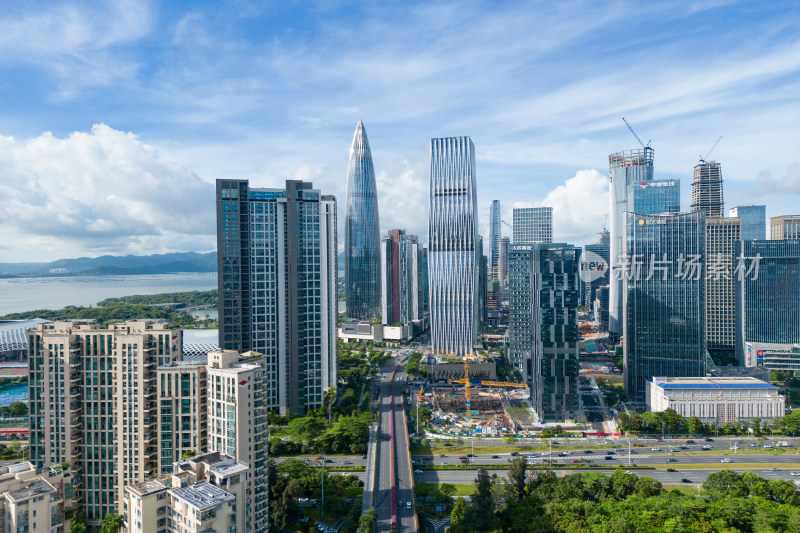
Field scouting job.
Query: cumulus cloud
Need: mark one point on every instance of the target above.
(403, 197)
(99, 192)
(580, 206)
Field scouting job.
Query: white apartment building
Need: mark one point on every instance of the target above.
(716, 399)
(93, 404)
(24, 496)
(237, 423)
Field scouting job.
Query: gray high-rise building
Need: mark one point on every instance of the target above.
(721, 237)
(495, 234)
(544, 287)
(707, 189)
(483, 294)
(453, 260)
(532, 225)
(664, 300)
(767, 281)
(786, 227)
(505, 247)
(625, 169)
(753, 221)
(277, 286)
(362, 256)
(401, 266)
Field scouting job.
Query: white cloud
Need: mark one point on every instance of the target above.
(580, 206)
(98, 192)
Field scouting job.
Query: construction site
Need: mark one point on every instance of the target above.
(466, 397)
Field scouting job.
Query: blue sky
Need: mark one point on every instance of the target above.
(116, 117)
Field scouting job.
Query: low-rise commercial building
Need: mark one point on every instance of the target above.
(716, 399)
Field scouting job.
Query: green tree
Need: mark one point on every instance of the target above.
(459, 517)
(725, 483)
(448, 490)
(76, 526)
(112, 523)
(693, 425)
(17, 409)
(366, 524)
(517, 477)
(306, 428)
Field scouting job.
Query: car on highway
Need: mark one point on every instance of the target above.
(445, 463)
(348, 462)
(794, 473)
(768, 446)
(575, 461)
(685, 480)
(655, 449)
(514, 454)
(773, 469)
(709, 439)
(555, 442)
(608, 458)
(671, 470)
(462, 458)
(672, 460)
(706, 447)
(726, 460)
(562, 454)
(417, 471)
(470, 455)
(684, 447)
(588, 451)
(408, 505)
(534, 455)
(689, 442)
(495, 457)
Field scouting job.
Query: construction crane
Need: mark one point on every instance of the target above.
(467, 397)
(509, 384)
(634, 134)
(703, 159)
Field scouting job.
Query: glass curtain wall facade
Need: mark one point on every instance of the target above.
(656, 197)
(784, 227)
(277, 286)
(625, 169)
(362, 238)
(453, 261)
(532, 225)
(505, 247)
(495, 234)
(521, 334)
(401, 259)
(768, 297)
(707, 189)
(664, 301)
(753, 221)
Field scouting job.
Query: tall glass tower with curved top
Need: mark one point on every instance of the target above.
(453, 240)
(362, 253)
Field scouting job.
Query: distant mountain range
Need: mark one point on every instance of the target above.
(116, 265)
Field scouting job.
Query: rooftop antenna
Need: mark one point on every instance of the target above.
(634, 134)
(703, 159)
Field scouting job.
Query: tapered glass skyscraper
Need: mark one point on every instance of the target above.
(362, 255)
(453, 261)
(495, 234)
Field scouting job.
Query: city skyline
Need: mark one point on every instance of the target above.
(145, 106)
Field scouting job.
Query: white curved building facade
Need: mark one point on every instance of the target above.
(453, 260)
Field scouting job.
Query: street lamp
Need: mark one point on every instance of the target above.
(629, 452)
(322, 476)
(551, 453)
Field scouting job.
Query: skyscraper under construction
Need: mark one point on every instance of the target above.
(707, 188)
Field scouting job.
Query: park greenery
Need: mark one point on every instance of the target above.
(14, 410)
(671, 423)
(132, 307)
(413, 368)
(789, 383)
(623, 502)
(294, 479)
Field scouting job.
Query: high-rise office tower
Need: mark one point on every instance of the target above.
(362, 256)
(594, 263)
(401, 256)
(767, 281)
(544, 287)
(495, 234)
(707, 189)
(277, 286)
(483, 293)
(237, 423)
(786, 227)
(656, 197)
(664, 300)
(505, 247)
(532, 225)
(721, 237)
(604, 237)
(453, 261)
(625, 169)
(753, 221)
(93, 404)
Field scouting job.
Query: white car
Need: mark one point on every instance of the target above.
(726, 460)
(655, 449)
(795, 473)
(417, 471)
(706, 447)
